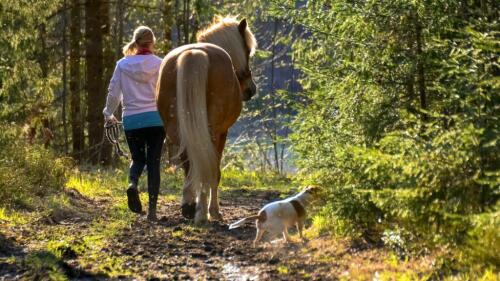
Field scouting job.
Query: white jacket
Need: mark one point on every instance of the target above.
(134, 82)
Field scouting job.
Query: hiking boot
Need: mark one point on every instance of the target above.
(152, 210)
(134, 202)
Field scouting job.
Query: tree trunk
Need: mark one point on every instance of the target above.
(94, 81)
(77, 136)
(120, 10)
(420, 66)
(410, 76)
(43, 57)
(186, 21)
(196, 20)
(274, 130)
(169, 22)
(177, 24)
(108, 66)
(64, 78)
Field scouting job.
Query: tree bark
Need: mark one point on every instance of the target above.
(94, 75)
(64, 79)
(186, 21)
(108, 66)
(77, 137)
(120, 10)
(42, 56)
(169, 22)
(177, 24)
(274, 129)
(196, 20)
(410, 76)
(420, 67)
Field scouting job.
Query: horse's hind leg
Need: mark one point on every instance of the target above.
(215, 213)
(188, 204)
(214, 208)
(201, 216)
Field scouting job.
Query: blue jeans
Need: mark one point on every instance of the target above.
(145, 145)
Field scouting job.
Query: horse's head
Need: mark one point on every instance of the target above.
(239, 42)
(247, 85)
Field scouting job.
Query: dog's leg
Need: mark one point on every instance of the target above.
(258, 236)
(286, 237)
(300, 227)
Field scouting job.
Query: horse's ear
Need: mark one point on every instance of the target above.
(242, 26)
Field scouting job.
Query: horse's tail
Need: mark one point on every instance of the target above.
(194, 134)
(243, 221)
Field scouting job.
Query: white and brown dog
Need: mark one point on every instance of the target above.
(277, 217)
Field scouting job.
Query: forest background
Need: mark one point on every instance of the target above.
(391, 106)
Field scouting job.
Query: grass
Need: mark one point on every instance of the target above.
(283, 270)
(12, 217)
(50, 246)
(44, 264)
(253, 180)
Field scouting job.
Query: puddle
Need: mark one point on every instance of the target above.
(233, 272)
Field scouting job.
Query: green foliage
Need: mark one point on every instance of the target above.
(26, 85)
(44, 266)
(254, 180)
(28, 173)
(399, 118)
(483, 243)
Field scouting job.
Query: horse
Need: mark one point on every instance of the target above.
(200, 93)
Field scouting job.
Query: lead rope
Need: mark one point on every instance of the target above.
(112, 132)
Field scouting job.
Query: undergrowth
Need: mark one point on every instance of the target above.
(28, 173)
(35, 183)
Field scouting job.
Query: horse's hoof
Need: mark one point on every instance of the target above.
(201, 222)
(188, 210)
(216, 216)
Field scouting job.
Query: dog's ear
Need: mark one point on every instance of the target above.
(312, 189)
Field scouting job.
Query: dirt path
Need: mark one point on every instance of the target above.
(173, 249)
(170, 249)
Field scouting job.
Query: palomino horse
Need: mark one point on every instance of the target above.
(199, 96)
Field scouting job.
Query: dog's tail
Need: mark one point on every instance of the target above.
(242, 221)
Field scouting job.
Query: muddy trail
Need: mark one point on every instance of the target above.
(170, 249)
(173, 249)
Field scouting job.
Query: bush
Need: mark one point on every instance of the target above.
(28, 172)
(483, 243)
(413, 165)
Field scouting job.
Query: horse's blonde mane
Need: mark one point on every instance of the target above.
(224, 33)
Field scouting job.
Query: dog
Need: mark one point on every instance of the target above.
(277, 217)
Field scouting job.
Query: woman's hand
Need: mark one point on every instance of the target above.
(109, 120)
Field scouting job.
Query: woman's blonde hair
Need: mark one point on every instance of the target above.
(143, 38)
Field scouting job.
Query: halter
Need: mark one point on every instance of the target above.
(112, 132)
(243, 74)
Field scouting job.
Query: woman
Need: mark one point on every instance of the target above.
(134, 83)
